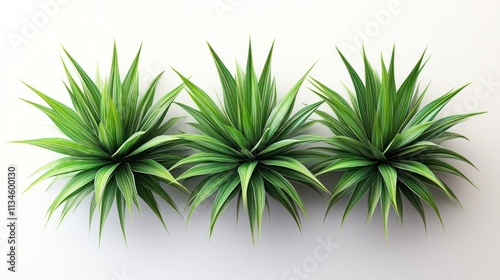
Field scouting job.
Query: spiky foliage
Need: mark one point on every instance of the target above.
(115, 150)
(386, 144)
(247, 148)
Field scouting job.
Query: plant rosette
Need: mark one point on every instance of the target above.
(385, 144)
(115, 148)
(248, 147)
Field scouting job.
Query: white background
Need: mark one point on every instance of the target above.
(463, 38)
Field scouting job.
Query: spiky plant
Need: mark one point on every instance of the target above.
(386, 145)
(246, 147)
(114, 148)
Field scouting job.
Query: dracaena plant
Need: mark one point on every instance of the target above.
(247, 149)
(114, 145)
(386, 143)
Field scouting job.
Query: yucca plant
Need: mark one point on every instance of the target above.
(114, 148)
(247, 146)
(386, 145)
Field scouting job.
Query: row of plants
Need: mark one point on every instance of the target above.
(119, 149)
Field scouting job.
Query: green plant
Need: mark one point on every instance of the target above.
(385, 144)
(115, 148)
(247, 148)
